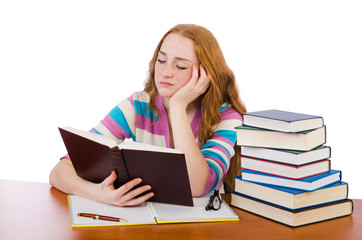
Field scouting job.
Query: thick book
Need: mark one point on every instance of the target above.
(287, 156)
(301, 141)
(148, 213)
(293, 218)
(283, 121)
(286, 170)
(308, 184)
(292, 198)
(94, 156)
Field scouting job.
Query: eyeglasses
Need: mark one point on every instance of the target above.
(214, 201)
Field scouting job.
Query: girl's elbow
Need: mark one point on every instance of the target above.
(198, 192)
(52, 177)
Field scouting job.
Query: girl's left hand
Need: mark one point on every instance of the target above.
(197, 85)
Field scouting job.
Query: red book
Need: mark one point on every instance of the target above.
(286, 170)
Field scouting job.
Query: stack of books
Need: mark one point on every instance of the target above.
(286, 170)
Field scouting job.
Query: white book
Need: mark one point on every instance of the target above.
(287, 156)
(148, 213)
(286, 170)
(300, 141)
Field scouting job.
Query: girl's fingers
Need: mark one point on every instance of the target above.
(195, 74)
(134, 193)
(127, 197)
(204, 79)
(203, 72)
(128, 186)
(139, 200)
(109, 180)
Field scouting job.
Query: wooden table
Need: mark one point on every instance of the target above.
(38, 211)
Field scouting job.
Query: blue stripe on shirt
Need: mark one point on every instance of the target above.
(222, 108)
(96, 131)
(211, 144)
(141, 109)
(118, 116)
(209, 153)
(229, 134)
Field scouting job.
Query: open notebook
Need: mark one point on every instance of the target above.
(148, 213)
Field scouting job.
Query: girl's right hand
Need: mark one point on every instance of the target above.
(123, 196)
(195, 87)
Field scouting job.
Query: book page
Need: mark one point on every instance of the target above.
(138, 215)
(168, 213)
(146, 147)
(93, 136)
(107, 141)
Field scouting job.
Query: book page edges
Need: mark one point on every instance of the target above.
(101, 139)
(112, 144)
(199, 221)
(147, 147)
(70, 211)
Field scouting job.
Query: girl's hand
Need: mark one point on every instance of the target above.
(197, 85)
(122, 196)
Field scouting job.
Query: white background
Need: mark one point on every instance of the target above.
(70, 62)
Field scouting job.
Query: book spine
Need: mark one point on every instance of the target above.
(119, 167)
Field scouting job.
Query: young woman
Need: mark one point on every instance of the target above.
(190, 102)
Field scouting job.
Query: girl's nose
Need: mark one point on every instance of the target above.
(167, 71)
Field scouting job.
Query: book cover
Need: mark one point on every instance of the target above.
(284, 121)
(293, 218)
(308, 184)
(301, 141)
(164, 169)
(292, 198)
(286, 170)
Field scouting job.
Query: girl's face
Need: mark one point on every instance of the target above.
(173, 68)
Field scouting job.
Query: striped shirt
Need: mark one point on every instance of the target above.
(130, 119)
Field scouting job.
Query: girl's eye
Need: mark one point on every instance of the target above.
(161, 61)
(181, 68)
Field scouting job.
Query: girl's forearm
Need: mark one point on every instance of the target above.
(64, 178)
(184, 140)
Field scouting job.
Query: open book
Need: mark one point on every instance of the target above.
(148, 213)
(94, 156)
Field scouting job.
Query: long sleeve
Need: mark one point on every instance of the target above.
(131, 119)
(219, 149)
(119, 123)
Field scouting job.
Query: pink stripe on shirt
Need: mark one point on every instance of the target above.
(114, 128)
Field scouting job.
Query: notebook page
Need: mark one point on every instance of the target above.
(167, 213)
(134, 215)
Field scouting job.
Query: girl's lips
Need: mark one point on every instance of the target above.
(166, 84)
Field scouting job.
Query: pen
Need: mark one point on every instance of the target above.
(101, 217)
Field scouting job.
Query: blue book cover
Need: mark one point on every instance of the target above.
(307, 184)
(280, 115)
(293, 191)
(284, 121)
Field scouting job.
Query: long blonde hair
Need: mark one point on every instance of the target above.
(222, 87)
